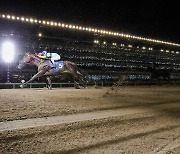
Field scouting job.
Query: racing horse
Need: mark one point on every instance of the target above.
(159, 74)
(45, 70)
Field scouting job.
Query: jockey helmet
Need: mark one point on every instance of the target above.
(44, 52)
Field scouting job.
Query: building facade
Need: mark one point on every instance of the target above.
(104, 55)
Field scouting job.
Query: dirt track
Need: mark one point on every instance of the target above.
(134, 120)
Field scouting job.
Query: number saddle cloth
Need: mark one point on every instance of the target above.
(58, 65)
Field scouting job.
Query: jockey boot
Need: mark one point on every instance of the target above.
(53, 64)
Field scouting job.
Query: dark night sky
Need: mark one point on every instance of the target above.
(154, 19)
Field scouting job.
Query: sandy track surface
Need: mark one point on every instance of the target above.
(134, 120)
(55, 120)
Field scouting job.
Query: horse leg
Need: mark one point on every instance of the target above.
(45, 80)
(73, 70)
(49, 84)
(76, 84)
(78, 77)
(39, 74)
(81, 80)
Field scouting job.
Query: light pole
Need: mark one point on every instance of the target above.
(8, 55)
(8, 81)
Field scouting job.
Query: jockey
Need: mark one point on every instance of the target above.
(48, 55)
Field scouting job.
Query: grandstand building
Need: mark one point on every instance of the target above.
(103, 54)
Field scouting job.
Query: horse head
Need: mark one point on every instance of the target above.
(27, 59)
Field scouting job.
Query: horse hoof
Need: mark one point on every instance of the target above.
(21, 86)
(77, 87)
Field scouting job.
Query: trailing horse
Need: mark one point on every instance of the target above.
(159, 74)
(45, 69)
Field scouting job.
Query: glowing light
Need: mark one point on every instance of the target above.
(22, 19)
(8, 51)
(31, 20)
(40, 34)
(70, 26)
(151, 49)
(96, 41)
(91, 30)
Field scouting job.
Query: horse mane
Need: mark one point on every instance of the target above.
(34, 57)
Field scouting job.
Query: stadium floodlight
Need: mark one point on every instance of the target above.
(8, 51)
(40, 34)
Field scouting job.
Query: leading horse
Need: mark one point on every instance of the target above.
(45, 69)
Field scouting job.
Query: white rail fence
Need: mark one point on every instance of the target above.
(34, 85)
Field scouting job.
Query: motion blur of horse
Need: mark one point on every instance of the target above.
(157, 74)
(45, 70)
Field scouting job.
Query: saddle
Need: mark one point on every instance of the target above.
(58, 64)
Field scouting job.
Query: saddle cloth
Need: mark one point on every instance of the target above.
(58, 64)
